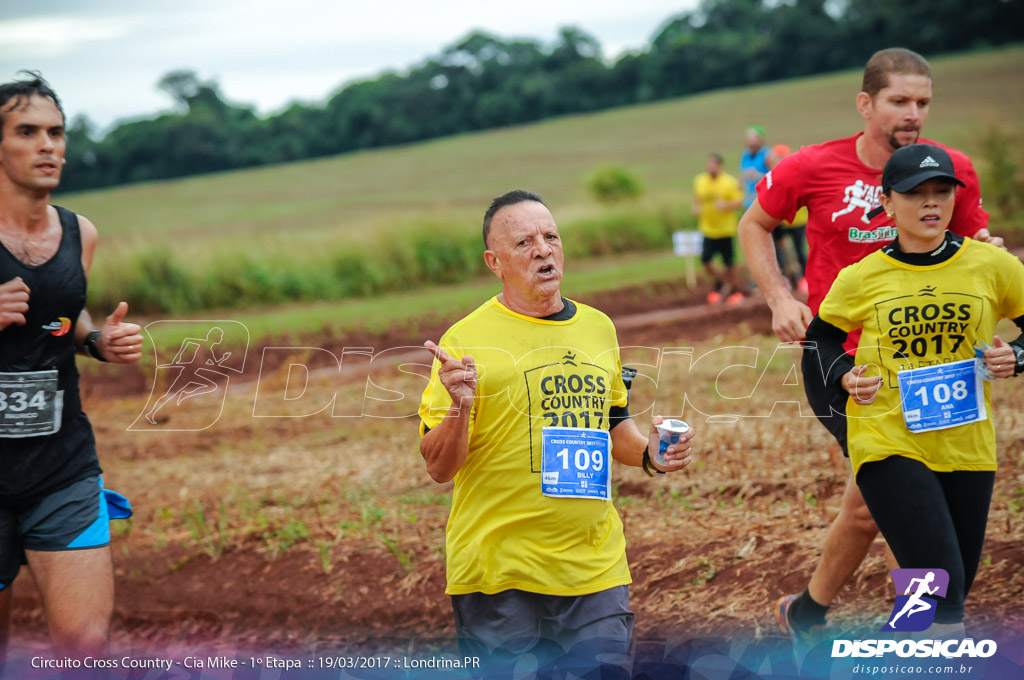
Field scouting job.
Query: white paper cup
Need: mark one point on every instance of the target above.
(669, 431)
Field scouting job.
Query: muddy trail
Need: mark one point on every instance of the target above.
(643, 315)
(709, 553)
(727, 575)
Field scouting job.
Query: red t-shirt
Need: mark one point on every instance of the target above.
(839, 191)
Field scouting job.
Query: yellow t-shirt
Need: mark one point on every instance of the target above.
(502, 532)
(712, 222)
(799, 219)
(916, 316)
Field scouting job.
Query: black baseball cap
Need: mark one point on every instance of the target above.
(915, 164)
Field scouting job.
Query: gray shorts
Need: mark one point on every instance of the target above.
(73, 518)
(589, 630)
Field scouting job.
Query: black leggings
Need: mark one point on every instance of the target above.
(931, 520)
(798, 235)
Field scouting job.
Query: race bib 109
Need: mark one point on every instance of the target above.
(575, 463)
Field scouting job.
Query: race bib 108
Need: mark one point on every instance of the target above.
(942, 396)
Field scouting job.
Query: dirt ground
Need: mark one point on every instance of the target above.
(284, 531)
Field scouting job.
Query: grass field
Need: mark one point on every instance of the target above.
(296, 225)
(378, 314)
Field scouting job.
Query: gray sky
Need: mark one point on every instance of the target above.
(104, 57)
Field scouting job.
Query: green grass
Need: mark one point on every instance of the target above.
(240, 275)
(346, 226)
(421, 307)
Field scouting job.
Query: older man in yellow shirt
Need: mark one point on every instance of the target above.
(526, 410)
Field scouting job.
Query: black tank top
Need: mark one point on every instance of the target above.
(33, 467)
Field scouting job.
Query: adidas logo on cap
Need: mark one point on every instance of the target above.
(913, 164)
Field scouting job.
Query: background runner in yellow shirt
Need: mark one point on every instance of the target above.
(920, 439)
(716, 198)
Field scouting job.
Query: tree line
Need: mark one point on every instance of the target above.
(483, 81)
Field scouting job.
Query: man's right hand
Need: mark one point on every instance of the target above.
(458, 377)
(790, 319)
(13, 302)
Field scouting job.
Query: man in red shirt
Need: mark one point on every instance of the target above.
(840, 183)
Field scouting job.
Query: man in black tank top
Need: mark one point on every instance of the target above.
(53, 511)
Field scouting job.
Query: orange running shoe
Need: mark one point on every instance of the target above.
(804, 639)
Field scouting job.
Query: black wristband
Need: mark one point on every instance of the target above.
(1018, 360)
(648, 465)
(90, 346)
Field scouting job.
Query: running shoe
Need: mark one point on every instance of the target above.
(804, 640)
(734, 298)
(714, 297)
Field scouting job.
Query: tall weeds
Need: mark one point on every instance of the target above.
(179, 278)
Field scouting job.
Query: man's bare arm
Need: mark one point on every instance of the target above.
(445, 447)
(789, 316)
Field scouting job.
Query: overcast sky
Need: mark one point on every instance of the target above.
(104, 57)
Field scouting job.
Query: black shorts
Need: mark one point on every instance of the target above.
(503, 627)
(74, 518)
(828, 404)
(721, 246)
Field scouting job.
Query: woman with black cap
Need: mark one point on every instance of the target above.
(921, 441)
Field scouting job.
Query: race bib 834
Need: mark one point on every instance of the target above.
(30, 404)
